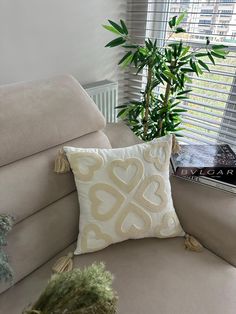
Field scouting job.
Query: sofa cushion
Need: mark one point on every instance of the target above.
(120, 135)
(38, 115)
(124, 193)
(30, 184)
(151, 276)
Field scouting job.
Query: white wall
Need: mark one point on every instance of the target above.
(43, 38)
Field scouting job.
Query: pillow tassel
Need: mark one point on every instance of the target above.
(175, 145)
(61, 163)
(63, 264)
(192, 244)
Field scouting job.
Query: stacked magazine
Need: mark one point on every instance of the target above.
(214, 165)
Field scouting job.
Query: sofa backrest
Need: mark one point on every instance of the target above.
(36, 120)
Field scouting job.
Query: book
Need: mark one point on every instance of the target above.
(214, 161)
(215, 183)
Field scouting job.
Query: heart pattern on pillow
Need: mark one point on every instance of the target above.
(99, 238)
(129, 185)
(133, 231)
(160, 192)
(169, 226)
(153, 155)
(124, 194)
(96, 202)
(93, 163)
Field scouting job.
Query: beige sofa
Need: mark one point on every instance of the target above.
(151, 275)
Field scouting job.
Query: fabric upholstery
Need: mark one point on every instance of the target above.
(151, 276)
(30, 184)
(120, 135)
(39, 115)
(39, 237)
(209, 214)
(124, 193)
(36, 119)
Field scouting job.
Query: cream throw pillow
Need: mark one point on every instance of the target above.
(124, 193)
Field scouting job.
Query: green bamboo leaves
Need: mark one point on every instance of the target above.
(168, 68)
(217, 51)
(175, 21)
(119, 30)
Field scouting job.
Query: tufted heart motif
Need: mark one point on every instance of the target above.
(92, 163)
(98, 239)
(159, 192)
(96, 202)
(126, 224)
(169, 226)
(158, 154)
(127, 184)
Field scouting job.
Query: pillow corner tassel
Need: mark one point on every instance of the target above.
(192, 244)
(63, 264)
(61, 163)
(175, 145)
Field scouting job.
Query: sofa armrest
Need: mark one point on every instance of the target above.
(120, 135)
(208, 214)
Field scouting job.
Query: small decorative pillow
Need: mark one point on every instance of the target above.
(124, 193)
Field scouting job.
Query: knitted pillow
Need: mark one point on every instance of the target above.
(124, 193)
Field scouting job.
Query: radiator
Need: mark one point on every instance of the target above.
(105, 96)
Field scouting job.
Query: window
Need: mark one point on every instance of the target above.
(211, 115)
(204, 22)
(226, 11)
(206, 11)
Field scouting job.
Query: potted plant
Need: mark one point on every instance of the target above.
(168, 67)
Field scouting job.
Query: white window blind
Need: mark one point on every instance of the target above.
(211, 115)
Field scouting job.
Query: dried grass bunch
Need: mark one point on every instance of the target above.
(6, 272)
(87, 291)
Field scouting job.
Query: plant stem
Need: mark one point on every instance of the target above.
(166, 99)
(165, 104)
(147, 102)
